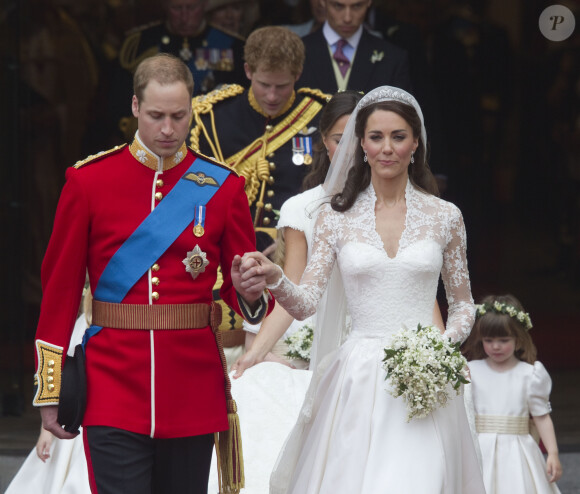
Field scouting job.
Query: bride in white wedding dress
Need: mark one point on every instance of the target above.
(390, 238)
(269, 395)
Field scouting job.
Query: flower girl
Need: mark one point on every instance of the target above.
(508, 386)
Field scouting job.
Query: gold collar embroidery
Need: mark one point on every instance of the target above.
(144, 155)
(254, 104)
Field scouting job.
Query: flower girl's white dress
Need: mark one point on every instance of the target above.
(352, 436)
(512, 462)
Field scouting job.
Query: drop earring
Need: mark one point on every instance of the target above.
(365, 159)
(412, 158)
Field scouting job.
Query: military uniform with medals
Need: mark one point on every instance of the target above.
(273, 154)
(153, 365)
(214, 57)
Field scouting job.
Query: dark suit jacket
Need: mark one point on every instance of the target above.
(392, 70)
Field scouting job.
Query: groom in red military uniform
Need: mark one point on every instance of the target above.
(151, 222)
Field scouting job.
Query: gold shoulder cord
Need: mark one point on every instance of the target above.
(317, 93)
(259, 172)
(251, 161)
(202, 105)
(248, 162)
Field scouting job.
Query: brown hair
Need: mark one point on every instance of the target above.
(341, 104)
(274, 48)
(359, 176)
(497, 325)
(163, 68)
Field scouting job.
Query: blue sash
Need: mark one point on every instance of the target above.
(156, 233)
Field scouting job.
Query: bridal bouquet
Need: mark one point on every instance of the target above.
(420, 366)
(300, 343)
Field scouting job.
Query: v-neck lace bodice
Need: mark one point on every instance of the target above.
(384, 293)
(376, 229)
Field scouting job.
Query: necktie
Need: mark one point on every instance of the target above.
(341, 59)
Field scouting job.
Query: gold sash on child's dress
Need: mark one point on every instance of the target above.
(502, 424)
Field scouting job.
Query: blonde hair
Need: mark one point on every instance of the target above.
(274, 48)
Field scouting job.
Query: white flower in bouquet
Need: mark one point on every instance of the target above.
(424, 367)
(299, 343)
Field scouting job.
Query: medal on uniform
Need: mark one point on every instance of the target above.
(307, 150)
(185, 52)
(297, 159)
(199, 220)
(301, 150)
(195, 262)
(213, 57)
(227, 60)
(297, 151)
(201, 59)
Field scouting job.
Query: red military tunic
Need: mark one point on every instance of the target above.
(163, 383)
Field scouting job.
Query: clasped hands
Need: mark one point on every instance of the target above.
(252, 272)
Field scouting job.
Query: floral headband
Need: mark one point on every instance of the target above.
(502, 308)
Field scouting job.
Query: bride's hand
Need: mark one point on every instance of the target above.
(256, 266)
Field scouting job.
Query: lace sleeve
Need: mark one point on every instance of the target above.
(301, 301)
(456, 280)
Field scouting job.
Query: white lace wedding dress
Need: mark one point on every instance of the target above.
(269, 396)
(352, 436)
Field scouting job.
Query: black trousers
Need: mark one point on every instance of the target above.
(122, 462)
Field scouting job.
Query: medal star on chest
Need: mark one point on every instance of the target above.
(195, 262)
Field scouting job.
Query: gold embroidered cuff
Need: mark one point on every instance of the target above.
(48, 374)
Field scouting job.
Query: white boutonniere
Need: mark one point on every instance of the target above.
(377, 56)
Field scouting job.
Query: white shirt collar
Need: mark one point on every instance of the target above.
(332, 36)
